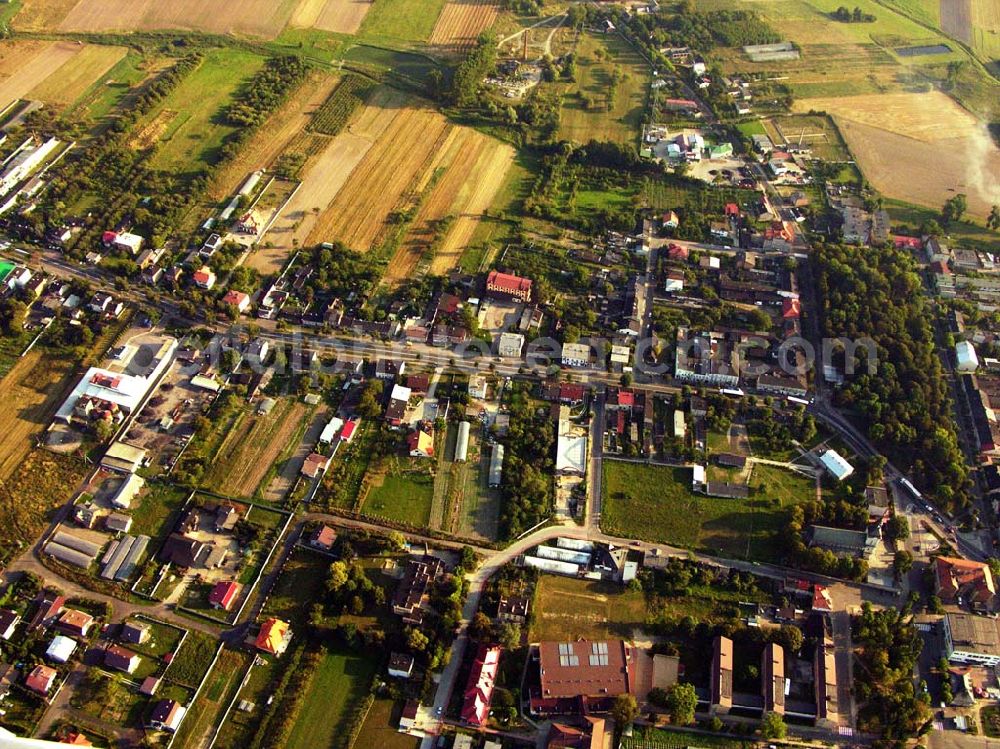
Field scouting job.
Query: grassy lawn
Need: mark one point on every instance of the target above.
(240, 725)
(194, 135)
(404, 494)
(108, 92)
(958, 231)
(653, 738)
(301, 579)
(380, 729)
(191, 661)
(163, 639)
(339, 683)
(808, 128)
(401, 20)
(654, 503)
(567, 609)
(593, 106)
(754, 127)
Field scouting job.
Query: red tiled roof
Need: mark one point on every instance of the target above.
(224, 593)
(791, 308)
(508, 282)
(964, 577)
(479, 690)
(347, 433)
(234, 297)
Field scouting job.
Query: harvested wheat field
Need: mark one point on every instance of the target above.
(475, 166)
(481, 188)
(461, 22)
(26, 65)
(248, 451)
(919, 148)
(273, 137)
(149, 134)
(33, 390)
(338, 16)
(329, 162)
(264, 18)
(76, 75)
(391, 168)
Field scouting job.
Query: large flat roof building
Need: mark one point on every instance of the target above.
(582, 676)
(972, 639)
(722, 676)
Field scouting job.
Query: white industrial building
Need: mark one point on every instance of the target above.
(127, 491)
(126, 391)
(563, 555)
(835, 465)
(965, 357)
(25, 160)
(571, 454)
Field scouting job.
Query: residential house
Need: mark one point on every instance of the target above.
(226, 517)
(963, 581)
(513, 609)
(120, 659)
(479, 688)
(74, 622)
(61, 649)
(590, 734)
(41, 679)
(721, 698)
(420, 442)
(274, 636)
(400, 665)
(237, 299)
(166, 716)
(323, 538)
(413, 593)
(136, 633)
(204, 278)
(183, 552)
(575, 355)
(8, 623)
(314, 465)
(224, 594)
(389, 369)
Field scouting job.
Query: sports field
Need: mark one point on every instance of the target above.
(918, 148)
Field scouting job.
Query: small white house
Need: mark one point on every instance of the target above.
(674, 282)
(60, 649)
(965, 356)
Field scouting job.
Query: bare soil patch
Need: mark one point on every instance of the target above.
(149, 134)
(956, 19)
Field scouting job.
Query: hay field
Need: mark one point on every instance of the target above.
(389, 170)
(26, 65)
(273, 137)
(76, 75)
(461, 22)
(986, 27)
(918, 148)
(32, 391)
(330, 162)
(263, 18)
(338, 16)
(248, 451)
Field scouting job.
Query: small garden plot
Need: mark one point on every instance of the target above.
(302, 579)
(251, 702)
(381, 728)
(163, 639)
(157, 511)
(205, 712)
(189, 664)
(22, 711)
(108, 698)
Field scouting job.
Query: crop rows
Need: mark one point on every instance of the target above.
(333, 114)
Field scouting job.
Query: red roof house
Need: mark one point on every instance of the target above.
(791, 309)
(238, 299)
(40, 679)
(274, 636)
(223, 594)
(677, 252)
(347, 433)
(972, 581)
(732, 209)
(479, 690)
(909, 243)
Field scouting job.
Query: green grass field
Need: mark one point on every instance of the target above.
(194, 135)
(654, 503)
(302, 579)
(587, 112)
(962, 232)
(405, 497)
(204, 713)
(157, 510)
(401, 20)
(339, 683)
(112, 88)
